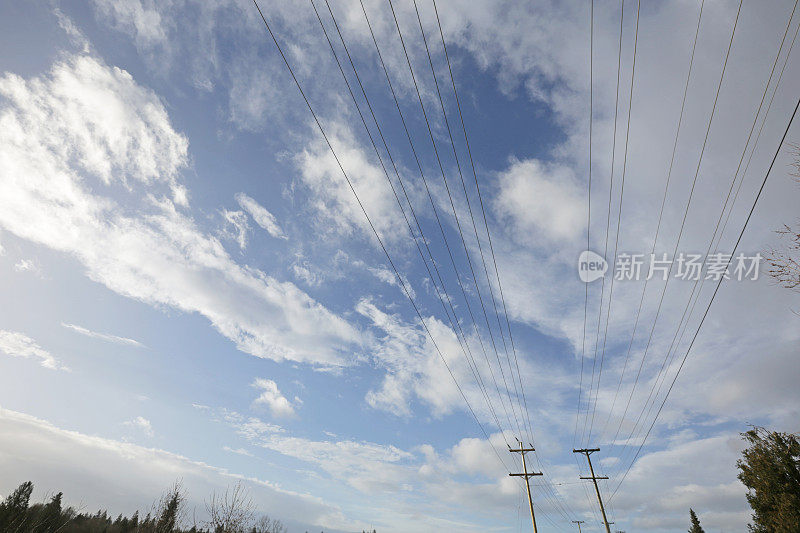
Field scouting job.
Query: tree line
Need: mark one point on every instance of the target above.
(769, 468)
(232, 511)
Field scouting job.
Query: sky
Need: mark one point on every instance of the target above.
(193, 292)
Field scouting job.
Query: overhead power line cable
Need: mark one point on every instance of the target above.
(698, 283)
(400, 278)
(592, 503)
(714, 294)
(660, 213)
(760, 130)
(472, 217)
(588, 220)
(433, 205)
(683, 221)
(454, 324)
(619, 222)
(488, 233)
(526, 411)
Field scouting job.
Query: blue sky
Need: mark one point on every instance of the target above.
(194, 293)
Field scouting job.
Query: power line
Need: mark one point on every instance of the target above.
(608, 213)
(435, 210)
(660, 213)
(619, 221)
(467, 352)
(400, 113)
(713, 296)
(548, 486)
(433, 204)
(588, 219)
(488, 233)
(760, 130)
(400, 279)
(685, 215)
(713, 236)
(472, 218)
(589, 499)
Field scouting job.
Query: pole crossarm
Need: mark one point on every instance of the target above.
(588, 453)
(527, 475)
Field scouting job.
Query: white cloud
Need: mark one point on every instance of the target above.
(411, 490)
(411, 364)
(140, 19)
(414, 370)
(251, 98)
(657, 491)
(103, 336)
(75, 35)
(271, 397)
(236, 227)
(123, 477)
(28, 265)
(543, 201)
(113, 128)
(333, 198)
(238, 451)
(142, 424)
(262, 217)
(18, 344)
(388, 276)
(351, 460)
(101, 124)
(152, 28)
(305, 274)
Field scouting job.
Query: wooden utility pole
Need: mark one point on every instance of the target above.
(588, 452)
(579, 522)
(527, 475)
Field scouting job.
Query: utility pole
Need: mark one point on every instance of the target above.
(527, 475)
(579, 522)
(588, 452)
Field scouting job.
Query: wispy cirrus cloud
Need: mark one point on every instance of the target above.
(236, 227)
(104, 127)
(18, 344)
(262, 217)
(403, 481)
(28, 265)
(334, 202)
(238, 451)
(103, 336)
(142, 424)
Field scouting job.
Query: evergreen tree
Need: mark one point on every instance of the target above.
(169, 514)
(19, 515)
(695, 523)
(14, 509)
(49, 517)
(770, 469)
